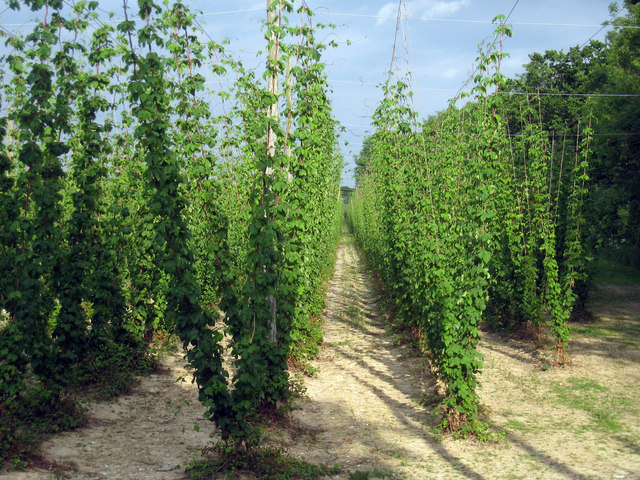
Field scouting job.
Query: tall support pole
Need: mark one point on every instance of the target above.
(289, 82)
(273, 20)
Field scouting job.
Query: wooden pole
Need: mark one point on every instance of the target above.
(273, 20)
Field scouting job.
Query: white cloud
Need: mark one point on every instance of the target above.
(450, 73)
(389, 10)
(432, 9)
(423, 9)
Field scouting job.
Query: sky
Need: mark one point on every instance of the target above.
(442, 37)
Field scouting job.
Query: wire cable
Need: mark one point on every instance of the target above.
(231, 12)
(395, 39)
(462, 20)
(604, 25)
(561, 94)
(368, 84)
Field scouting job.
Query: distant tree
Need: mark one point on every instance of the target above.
(346, 192)
(603, 79)
(561, 79)
(616, 166)
(364, 157)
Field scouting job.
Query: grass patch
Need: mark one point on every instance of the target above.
(355, 315)
(370, 474)
(624, 334)
(262, 462)
(516, 425)
(606, 420)
(593, 332)
(591, 397)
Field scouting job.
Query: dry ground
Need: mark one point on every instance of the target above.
(148, 434)
(369, 408)
(371, 400)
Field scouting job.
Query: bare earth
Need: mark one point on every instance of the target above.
(370, 407)
(148, 434)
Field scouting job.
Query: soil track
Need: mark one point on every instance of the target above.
(370, 406)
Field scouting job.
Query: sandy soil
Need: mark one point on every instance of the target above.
(370, 406)
(147, 434)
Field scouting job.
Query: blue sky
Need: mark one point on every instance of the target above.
(443, 34)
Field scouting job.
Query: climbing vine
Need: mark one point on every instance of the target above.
(136, 199)
(458, 218)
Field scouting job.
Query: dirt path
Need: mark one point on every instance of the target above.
(365, 405)
(367, 409)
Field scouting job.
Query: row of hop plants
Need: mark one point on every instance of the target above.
(135, 200)
(465, 222)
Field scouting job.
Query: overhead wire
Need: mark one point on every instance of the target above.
(411, 64)
(383, 17)
(562, 94)
(231, 12)
(406, 19)
(421, 19)
(461, 20)
(604, 25)
(369, 84)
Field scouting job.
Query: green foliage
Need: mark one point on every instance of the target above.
(39, 412)
(614, 266)
(613, 205)
(111, 371)
(601, 80)
(460, 219)
(265, 462)
(594, 399)
(129, 207)
(421, 212)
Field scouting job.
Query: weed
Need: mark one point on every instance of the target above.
(37, 412)
(304, 345)
(591, 397)
(370, 474)
(437, 433)
(428, 400)
(355, 315)
(268, 463)
(40, 411)
(606, 420)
